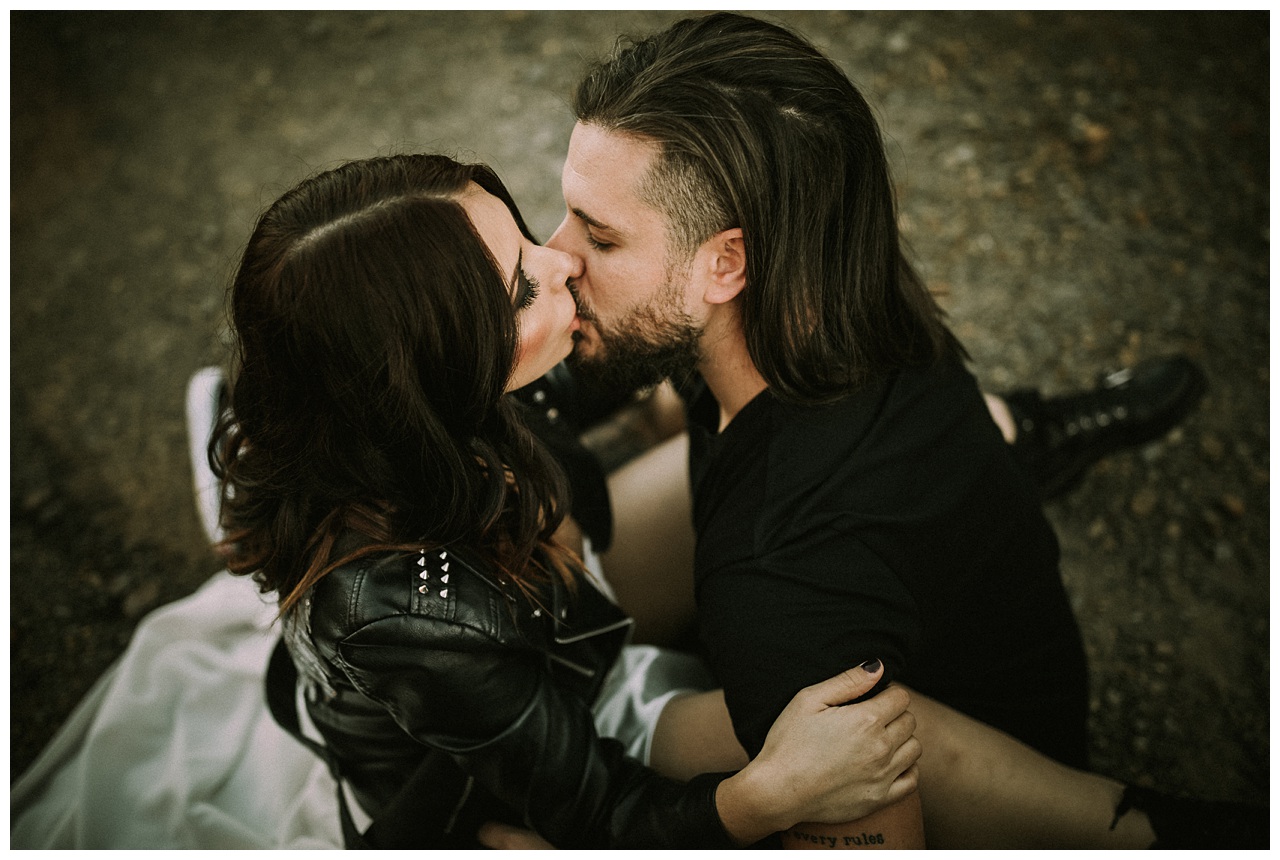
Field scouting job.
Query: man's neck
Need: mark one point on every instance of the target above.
(726, 364)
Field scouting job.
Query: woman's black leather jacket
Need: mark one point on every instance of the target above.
(450, 699)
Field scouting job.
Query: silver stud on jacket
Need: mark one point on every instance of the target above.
(426, 577)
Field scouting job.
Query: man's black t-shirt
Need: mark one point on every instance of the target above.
(892, 524)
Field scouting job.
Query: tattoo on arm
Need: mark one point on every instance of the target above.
(857, 839)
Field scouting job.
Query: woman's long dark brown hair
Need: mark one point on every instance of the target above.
(375, 337)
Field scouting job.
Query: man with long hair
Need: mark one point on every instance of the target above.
(728, 190)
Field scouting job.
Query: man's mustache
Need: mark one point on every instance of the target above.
(584, 310)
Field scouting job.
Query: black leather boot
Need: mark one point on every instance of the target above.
(1060, 437)
(1181, 822)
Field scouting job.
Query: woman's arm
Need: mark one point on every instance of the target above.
(822, 760)
(453, 675)
(502, 716)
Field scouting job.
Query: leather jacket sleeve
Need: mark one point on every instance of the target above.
(463, 686)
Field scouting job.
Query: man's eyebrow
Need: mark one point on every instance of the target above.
(599, 225)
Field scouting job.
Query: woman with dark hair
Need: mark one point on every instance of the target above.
(436, 604)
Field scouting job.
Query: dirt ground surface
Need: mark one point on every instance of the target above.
(1085, 190)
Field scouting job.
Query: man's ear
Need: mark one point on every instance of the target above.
(725, 264)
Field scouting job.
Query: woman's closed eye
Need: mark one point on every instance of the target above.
(526, 289)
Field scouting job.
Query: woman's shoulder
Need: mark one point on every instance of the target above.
(399, 625)
(418, 594)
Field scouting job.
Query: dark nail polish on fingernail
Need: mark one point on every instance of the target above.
(871, 667)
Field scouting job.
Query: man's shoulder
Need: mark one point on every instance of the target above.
(915, 405)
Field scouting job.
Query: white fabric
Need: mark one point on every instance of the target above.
(175, 748)
(638, 687)
(203, 392)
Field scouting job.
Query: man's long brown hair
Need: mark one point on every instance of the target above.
(758, 130)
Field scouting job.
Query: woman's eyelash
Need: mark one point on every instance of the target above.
(527, 291)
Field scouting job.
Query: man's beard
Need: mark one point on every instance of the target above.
(650, 344)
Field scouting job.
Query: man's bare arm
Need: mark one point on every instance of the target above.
(900, 825)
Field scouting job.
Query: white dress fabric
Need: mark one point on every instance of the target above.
(174, 746)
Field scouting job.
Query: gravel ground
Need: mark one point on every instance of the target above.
(1085, 190)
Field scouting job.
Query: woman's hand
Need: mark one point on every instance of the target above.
(824, 761)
